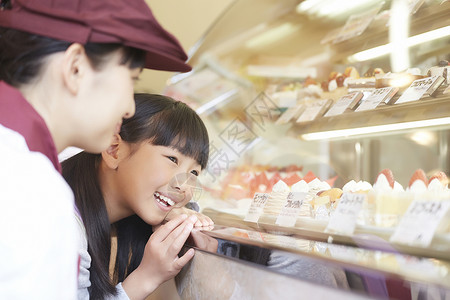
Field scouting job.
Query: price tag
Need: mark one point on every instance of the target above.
(291, 209)
(418, 225)
(197, 81)
(256, 207)
(256, 236)
(383, 95)
(343, 252)
(313, 110)
(346, 102)
(356, 24)
(290, 113)
(343, 221)
(287, 241)
(419, 88)
(447, 90)
(414, 5)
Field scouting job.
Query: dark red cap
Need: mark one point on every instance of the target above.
(128, 22)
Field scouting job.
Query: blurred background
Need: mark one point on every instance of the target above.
(188, 22)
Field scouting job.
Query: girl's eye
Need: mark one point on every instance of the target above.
(173, 159)
(194, 172)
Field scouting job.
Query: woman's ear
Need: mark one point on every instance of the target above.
(111, 156)
(73, 67)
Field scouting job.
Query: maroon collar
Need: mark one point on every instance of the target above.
(17, 114)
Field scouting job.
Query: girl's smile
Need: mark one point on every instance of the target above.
(165, 202)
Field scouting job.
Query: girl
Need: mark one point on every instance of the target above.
(131, 186)
(66, 79)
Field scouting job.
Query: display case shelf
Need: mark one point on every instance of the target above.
(349, 257)
(426, 109)
(366, 237)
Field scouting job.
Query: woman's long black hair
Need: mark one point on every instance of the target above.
(164, 122)
(23, 54)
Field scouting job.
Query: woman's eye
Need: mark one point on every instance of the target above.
(194, 173)
(173, 159)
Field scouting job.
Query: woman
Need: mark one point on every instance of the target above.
(149, 169)
(66, 79)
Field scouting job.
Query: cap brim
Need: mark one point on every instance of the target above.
(159, 61)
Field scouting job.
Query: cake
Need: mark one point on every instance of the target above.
(277, 198)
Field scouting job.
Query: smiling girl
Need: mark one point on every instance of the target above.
(146, 172)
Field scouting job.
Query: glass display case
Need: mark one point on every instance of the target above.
(348, 104)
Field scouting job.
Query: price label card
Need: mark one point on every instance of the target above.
(291, 209)
(256, 207)
(287, 241)
(290, 113)
(348, 101)
(343, 252)
(356, 24)
(377, 97)
(343, 221)
(313, 110)
(418, 225)
(254, 235)
(331, 35)
(414, 5)
(419, 88)
(447, 90)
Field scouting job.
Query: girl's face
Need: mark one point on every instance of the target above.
(152, 180)
(106, 97)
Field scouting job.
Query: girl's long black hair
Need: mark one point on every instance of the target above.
(164, 122)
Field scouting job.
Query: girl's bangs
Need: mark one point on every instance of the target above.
(182, 129)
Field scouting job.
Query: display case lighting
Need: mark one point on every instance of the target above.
(214, 103)
(411, 41)
(332, 8)
(272, 35)
(323, 135)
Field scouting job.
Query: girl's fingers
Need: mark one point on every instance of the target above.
(179, 230)
(164, 231)
(182, 261)
(177, 238)
(209, 222)
(204, 221)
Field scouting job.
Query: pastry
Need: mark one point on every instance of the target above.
(438, 182)
(277, 198)
(418, 181)
(300, 187)
(388, 175)
(441, 177)
(333, 193)
(357, 187)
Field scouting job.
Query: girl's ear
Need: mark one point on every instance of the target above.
(111, 156)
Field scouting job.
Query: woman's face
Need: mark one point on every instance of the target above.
(153, 180)
(106, 97)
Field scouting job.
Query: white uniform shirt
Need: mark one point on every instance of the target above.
(38, 234)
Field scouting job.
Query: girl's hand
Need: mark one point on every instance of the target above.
(203, 220)
(203, 241)
(160, 261)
